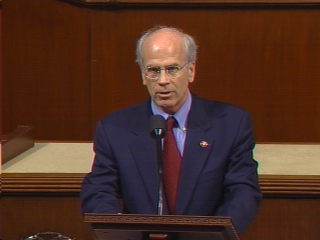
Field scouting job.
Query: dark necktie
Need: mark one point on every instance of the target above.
(171, 166)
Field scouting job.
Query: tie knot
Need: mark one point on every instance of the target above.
(171, 123)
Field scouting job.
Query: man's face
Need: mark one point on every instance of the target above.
(163, 49)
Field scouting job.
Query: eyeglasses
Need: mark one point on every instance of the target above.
(153, 73)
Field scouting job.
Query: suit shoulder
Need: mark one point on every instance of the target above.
(219, 107)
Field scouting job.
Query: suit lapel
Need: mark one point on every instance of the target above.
(144, 151)
(195, 155)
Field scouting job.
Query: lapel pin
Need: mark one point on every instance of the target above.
(203, 144)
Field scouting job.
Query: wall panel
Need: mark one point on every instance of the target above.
(68, 64)
(260, 59)
(46, 74)
(28, 215)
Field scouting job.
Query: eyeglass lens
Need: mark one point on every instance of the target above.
(154, 72)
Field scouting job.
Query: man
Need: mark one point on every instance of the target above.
(217, 176)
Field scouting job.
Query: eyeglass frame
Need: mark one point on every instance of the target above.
(159, 69)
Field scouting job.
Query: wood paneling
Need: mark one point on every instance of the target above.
(33, 203)
(27, 215)
(286, 219)
(278, 219)
(67, 65)
(69, 183)
(261, 60)
(281, 185)
(46, 74)
(25, 183)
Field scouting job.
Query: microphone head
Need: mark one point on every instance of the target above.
(157, 126)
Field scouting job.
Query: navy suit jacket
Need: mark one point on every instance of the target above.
(217, 180)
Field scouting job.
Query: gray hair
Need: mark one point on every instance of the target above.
(189, 44)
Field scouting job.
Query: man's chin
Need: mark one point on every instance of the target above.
(166, 106)
(164, 103)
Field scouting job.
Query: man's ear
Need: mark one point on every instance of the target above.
(192, 71)
(144, 82)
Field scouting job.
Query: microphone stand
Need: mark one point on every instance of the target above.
(158, 138)
(158, 128)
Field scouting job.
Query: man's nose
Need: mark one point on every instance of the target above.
(163, 77)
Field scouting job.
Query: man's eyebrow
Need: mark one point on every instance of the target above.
(169, 65)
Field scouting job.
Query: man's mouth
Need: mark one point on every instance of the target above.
(165, 94)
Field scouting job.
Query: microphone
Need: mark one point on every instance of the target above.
(158, 129)
(157, 126)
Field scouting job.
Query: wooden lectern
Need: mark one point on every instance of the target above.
(160, 227)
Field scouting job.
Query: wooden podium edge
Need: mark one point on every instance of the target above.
(162, 223)
(159, 219)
